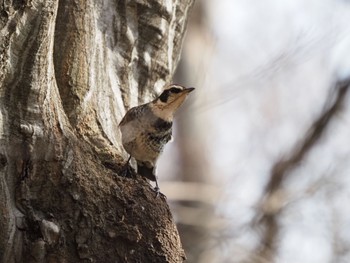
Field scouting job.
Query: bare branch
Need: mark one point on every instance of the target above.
(272, 204)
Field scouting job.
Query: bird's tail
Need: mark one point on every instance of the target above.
(146, 170)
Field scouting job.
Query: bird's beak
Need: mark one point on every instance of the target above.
(188, 90)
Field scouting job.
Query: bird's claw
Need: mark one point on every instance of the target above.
(126, 172)
(158, 192)
(123, 173)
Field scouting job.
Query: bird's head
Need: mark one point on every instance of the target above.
(170, 100)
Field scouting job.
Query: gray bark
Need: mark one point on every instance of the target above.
(68, 72)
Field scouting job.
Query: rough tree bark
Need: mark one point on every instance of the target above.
(68, 71)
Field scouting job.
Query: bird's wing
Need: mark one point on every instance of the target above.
(129, 116)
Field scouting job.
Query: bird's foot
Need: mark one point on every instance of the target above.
(127, 171)
(158, 192)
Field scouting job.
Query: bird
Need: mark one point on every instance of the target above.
(147, 128)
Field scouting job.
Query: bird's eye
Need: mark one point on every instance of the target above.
(175, 90)
(164, 96)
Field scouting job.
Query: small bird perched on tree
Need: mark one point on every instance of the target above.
(147, 128)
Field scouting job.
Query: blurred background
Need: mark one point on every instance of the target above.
(259, 170)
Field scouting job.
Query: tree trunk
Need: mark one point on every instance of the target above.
(193, 149)
(69, 71)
